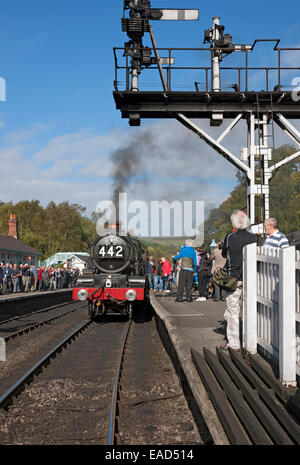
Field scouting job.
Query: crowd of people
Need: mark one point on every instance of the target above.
(195, 269)
(191, 269)
(30, 278)
(162, 275)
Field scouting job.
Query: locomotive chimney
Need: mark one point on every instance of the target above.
(114, 228)
(13, 226)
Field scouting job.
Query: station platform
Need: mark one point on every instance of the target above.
(21, 303)
(10, 297)
(200, 323)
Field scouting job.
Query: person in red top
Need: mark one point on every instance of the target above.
(166, 271)
(40, 271)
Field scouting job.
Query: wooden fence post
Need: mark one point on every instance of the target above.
(287, 316)
(250, 298)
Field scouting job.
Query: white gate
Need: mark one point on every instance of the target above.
(271, 306)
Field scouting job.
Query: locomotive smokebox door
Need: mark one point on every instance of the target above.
(111, 254)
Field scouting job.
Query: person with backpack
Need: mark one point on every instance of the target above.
(218, 262)
(233, 252)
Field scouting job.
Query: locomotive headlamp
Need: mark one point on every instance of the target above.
(82, 294)
(108, 282)
(131, 295)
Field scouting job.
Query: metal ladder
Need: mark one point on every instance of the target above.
(263, 122)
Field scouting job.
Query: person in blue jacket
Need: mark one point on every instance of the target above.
(188, 269)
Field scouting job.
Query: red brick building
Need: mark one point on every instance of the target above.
(12, 250)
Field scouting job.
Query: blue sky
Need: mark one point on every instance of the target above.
(59, 125)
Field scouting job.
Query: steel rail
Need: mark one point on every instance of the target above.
(36, 325)
(114, 399)
(14, 390)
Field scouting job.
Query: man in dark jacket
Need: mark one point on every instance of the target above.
(149, 271)
(7, 282)
(44, 283)
(203, 271)
(26, 277)
(233, 252)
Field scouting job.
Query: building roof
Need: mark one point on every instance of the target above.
(15, 245)
(84, 259)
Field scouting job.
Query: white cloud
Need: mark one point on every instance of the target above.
(82, 145)
(78, 166)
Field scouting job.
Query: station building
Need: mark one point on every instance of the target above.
(12, 250)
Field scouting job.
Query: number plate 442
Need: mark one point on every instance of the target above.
(111, 251)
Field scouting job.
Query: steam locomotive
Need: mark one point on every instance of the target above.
(117, 282)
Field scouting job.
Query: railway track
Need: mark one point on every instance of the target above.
(113, 410)
(112, 367)
(7, 398)
(28, 377)
(77, 389)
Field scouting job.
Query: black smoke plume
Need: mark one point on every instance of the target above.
(129, 161)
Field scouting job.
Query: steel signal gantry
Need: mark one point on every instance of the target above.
(238, 103)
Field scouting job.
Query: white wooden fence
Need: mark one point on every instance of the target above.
(271, 306)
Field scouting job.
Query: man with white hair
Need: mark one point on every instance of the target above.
(233, 252)
(188, 268)
(275, 238)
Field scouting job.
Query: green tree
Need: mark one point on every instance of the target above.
(57, 228)
(284, 199)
